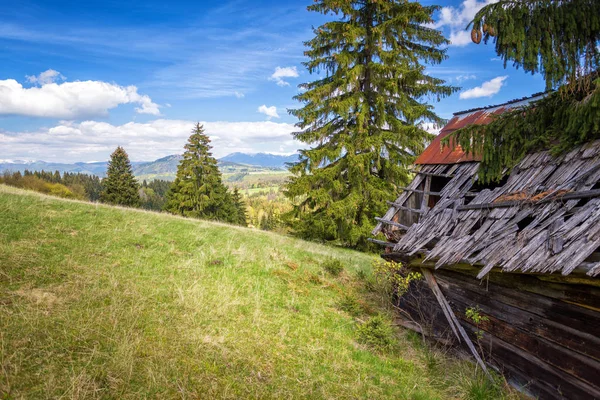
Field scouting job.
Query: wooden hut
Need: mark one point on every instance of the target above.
(523, 253)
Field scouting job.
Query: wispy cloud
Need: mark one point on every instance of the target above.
(487, 89)
(69, 100)
(465, 77)
(270, 112)
(281, 73)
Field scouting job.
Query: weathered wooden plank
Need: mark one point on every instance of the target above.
(425, 173)
(568, 361)
(381, 242)
(401, 207)
(511, 357)
(392, 223)
(544, 327)
(582, 294)
(420, 191)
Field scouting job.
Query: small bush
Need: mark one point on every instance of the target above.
(333, 266)
(376, 332)
(351, 305)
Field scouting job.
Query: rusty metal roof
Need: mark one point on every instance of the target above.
(435, 153)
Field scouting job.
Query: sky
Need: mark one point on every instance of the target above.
(79, 78)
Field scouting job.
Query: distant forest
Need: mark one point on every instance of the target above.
(81, 186)
(265, 207)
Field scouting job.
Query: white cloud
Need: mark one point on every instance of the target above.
(270, 112)
(460, 38)
(456, 20)
(487, 89)
(48, 76)
(280, 73)
(431, 127)
(69, 100)
(239, 95)
(70, 141)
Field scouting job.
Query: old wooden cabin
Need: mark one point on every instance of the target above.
(523, 253)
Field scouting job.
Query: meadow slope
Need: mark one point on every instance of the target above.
(105, 302)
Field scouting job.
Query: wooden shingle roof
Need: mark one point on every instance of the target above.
(545, 218)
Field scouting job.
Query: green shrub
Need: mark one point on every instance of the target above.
(351, 305)
(376, 332)
(333, 266)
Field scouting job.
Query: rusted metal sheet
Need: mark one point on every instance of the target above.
(436, 153)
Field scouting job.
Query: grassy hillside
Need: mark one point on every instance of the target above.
(104, 302)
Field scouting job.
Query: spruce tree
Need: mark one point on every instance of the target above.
(240, 207)
(120, 187)
(362, 117)
(198, 191)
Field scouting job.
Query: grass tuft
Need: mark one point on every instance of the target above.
(333, 266)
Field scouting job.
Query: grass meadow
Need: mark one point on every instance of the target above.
(106, 302)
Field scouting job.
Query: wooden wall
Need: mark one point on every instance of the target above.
(543, 335)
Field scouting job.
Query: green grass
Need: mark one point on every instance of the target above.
(106, 302)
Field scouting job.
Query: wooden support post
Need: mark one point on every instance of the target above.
(452, 320)
(426, 193)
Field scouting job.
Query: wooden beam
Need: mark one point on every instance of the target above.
(452, 320)
(382, 242)
(431, 174)
(500, 204)
(393, 223)
(421, 191)
(585, 194)
(400, 207)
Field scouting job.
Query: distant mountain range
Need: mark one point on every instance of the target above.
(261, 159)
(163, 168)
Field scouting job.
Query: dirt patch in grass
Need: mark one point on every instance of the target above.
(39, 297)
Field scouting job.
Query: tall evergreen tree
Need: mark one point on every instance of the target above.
(120, 186)
(363, 117)
(240, 207)
(561, 40)
(198, 190)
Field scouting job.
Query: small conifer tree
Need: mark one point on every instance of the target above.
(120, 187)
(198, 190)
(240, 206)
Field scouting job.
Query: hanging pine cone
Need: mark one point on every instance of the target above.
(491, 31)
(476, 36)
(485, 28)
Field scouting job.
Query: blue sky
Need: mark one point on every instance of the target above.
(79, 78)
